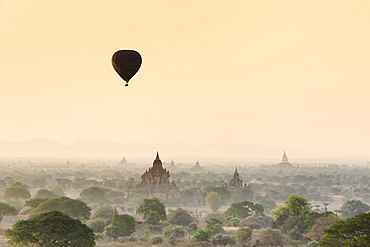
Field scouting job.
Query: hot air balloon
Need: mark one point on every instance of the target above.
(126, 63)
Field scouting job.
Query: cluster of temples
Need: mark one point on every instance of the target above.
(156, 181)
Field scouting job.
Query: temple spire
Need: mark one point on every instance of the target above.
(284, 158)
(157, 164)
(236, 174)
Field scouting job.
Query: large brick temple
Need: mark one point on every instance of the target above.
(156, 181)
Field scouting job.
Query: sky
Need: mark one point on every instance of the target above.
(283, 73)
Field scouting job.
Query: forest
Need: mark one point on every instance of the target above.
(303, 205)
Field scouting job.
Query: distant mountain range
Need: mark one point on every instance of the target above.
(41, 148)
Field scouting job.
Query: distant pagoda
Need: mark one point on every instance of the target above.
(172, 166)
(123, 162)
(235, 183)
(197, 168)
(284, 162)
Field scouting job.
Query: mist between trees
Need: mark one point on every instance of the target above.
(302, 205)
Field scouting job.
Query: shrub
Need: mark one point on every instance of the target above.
(203, 235)
(157, 240)
(173, 240)
(174, 231)
(153, 228)
(179, 217)
(153, 218)
(223, 240)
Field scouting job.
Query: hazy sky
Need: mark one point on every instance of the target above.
(281, 73)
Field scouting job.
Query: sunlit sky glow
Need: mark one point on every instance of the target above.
(281, 73)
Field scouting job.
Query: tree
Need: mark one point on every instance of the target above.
(271, 237)
(350, 232)
(16, 193)
(39, 182)
(244, 209)
(224, 193)
(64, 182)
(243, 235)
(242, 194)
(137, 196)
(152, 204)
(157, 240)
(292, 218)
(187, 194)
(6, 209)
(174, 231)
(33, 203)
(297, 205)
(223, 240)
(97, 225)
(213, 201)
(321, 223)
(215, 225)
(179, 217)
(19, 184)
(268, 205)
(43, 193)
(253, 222)
(203, 235)
(113, 194)
(58, 189)
(122, 225)
(50, 229)
(153, 218)
(74, 208)
(93, 195)
(105, 212)
(352, 208)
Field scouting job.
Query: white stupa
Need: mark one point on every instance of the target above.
(284, 162)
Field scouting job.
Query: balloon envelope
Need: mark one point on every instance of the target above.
(126, 63)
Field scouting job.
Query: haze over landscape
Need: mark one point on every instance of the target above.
(260, 76)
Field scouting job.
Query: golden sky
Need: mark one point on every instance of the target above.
(284, 73)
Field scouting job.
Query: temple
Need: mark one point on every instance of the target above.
(156, 181)
(235, 183)
(197, 168)
(123, 162)
(284, 162)
(172, 166)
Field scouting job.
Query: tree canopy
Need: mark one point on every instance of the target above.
(6, 209)
(350, 232)
(74, 208)
(354, 207)
(93, 195)
(272, 237)
(50, 229)
(153, 218)
(104, 212)
(17, 192)
(321, 223)
(244, 209)
(33, 203)
(213, 200)
(179, 217)
(122, 225)
(152, 204)
(292, 218)
(43, 193)
(222, 191)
